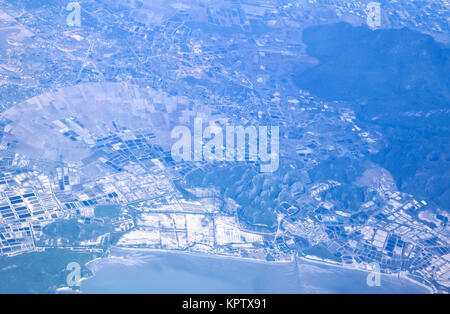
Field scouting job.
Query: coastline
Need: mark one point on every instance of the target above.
(203, 254)
(119, 254)
(129, 270)
(400, 275)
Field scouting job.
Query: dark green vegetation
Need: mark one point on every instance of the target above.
(341, 169)
(245, 186)
(345, 171)
(109, 211)
(258, 194)
(39, 272)
(72, 230)
(397, 79)
(386, 71)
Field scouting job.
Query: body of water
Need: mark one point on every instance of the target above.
(165, 272)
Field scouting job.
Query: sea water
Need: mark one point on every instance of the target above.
(166, 272)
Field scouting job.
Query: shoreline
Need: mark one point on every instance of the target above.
(294, 259)
(400, 275)
(150, 251)
(193, 254)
